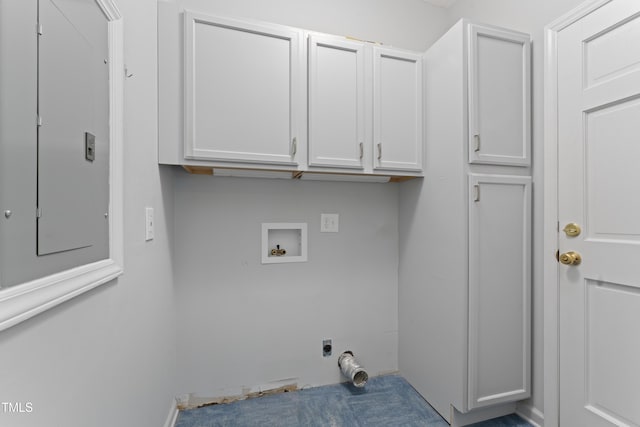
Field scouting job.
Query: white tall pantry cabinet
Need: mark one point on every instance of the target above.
(465, 269)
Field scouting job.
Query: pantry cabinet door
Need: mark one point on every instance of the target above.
(397, 110)
(336, 102)
(241, 88)
(499, 96)
(499, 289)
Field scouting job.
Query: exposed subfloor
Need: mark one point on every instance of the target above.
(385, 401)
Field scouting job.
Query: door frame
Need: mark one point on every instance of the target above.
(551, 225)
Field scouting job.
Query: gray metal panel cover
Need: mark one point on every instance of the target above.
(72, 100)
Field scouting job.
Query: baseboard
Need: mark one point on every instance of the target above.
(459, 419)
(531, 414)
(173, 415)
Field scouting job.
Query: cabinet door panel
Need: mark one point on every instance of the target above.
(499, 97)
(397, 109)
(240, 90)
(336, 102)
(499, 289)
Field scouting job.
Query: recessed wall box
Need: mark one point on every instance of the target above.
(284, 242)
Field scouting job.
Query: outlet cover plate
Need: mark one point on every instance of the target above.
(329, 223)
(326, 351)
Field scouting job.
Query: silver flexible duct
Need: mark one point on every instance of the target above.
(352, 370)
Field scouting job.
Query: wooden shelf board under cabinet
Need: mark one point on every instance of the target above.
(269, 173)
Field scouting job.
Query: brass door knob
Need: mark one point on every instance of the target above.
(572, 229)
(570, 258)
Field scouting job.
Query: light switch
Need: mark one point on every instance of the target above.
(329, 223)
(149, 224)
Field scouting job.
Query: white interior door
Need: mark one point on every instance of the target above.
(599, 187)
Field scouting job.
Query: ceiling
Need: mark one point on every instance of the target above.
(441, 3)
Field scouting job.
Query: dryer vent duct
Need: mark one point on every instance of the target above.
(352, 370)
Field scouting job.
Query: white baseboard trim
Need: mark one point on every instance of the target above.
(173, 414)
(459, 419)
(531, 414)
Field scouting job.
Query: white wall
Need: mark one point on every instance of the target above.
(243, 324)
(408, 24)
(108, 357)
(530, 17)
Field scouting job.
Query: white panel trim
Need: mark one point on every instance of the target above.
(21, 302)
(110, 10)
(550, 245)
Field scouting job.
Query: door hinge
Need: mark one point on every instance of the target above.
(39, 29)
(39, 120)
(38, 212)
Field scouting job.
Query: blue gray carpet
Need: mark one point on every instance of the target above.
(387, 401)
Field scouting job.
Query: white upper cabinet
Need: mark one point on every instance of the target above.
(239, 94)
(241, 83)
(499, 96)
(336, 102)
(397, 110)
(365, 102)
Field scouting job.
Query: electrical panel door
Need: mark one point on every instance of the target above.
(73, 147)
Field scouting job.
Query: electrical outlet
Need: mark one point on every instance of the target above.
(329, 223)
(326, 348)
(149, 224)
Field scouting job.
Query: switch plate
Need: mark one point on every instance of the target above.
(329, 223)
(149, 224)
